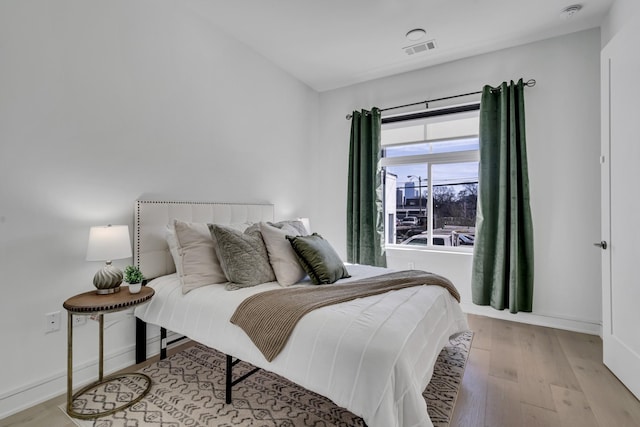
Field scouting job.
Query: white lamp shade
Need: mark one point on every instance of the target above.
(107, 242)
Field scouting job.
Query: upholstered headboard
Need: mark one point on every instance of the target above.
(151, 252)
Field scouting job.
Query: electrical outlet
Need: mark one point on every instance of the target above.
(52, 322)
(79, 320)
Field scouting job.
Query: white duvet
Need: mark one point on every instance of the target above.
(373, 356)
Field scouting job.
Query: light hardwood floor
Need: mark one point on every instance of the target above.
(517, 376)
(525, 376)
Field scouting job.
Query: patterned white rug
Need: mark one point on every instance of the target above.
(189, 387)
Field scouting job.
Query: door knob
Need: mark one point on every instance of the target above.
(602, 244)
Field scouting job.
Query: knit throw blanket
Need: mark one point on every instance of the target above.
(268, 318)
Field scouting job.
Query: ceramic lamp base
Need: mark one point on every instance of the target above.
(108, 291)
(108, 279)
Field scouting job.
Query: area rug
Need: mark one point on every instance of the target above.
(189, 389)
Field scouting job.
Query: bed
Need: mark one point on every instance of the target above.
(373, 356)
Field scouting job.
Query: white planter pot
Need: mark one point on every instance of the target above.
(135, 288)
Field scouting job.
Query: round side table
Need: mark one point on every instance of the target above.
(90, 303)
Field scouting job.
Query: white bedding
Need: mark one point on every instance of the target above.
(373, 356)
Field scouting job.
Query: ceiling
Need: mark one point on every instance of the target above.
(334, 43)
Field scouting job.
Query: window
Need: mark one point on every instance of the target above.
(430, 163)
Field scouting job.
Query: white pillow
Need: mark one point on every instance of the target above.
(282, 258)
(300, 228)
(172, 241)
(194, 254)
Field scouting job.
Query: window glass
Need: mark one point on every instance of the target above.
(410, 205)
(431, 180)
(445, 146)
(455, 196)
(418, 241)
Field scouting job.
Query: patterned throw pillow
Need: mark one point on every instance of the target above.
(318, 258)
(243, 256)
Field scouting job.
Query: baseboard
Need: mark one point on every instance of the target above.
(39, 391)
(538, 319)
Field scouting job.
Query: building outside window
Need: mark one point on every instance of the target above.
(430, 162)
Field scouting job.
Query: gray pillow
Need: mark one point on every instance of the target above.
(318, 258)
(301, 230)
(243, 256)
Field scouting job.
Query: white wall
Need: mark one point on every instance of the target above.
(563, 142)
(622, 12)
(102, 103)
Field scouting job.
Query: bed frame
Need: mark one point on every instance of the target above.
(402, 354)
(152, 256)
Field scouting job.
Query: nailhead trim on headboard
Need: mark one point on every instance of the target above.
(152, 216)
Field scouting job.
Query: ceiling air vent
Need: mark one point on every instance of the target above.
(420, 47)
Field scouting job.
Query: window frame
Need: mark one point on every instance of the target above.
(429, 160)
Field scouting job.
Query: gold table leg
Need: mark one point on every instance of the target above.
(69, 361)
(101, 347)
(71, 397)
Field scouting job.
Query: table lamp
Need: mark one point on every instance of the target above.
(106, 243)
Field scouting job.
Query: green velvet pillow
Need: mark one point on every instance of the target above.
(318, 259)
(243, 256)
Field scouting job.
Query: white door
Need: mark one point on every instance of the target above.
(621, 206)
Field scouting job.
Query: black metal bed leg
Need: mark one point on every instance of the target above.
(229, 379)
(141, 356)
(141, 341)
(163, 343)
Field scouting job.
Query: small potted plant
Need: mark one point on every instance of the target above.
(133, 276)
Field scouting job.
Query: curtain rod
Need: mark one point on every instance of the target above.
(529, 83)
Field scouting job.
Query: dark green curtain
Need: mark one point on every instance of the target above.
(365, 226)
(503, 254)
